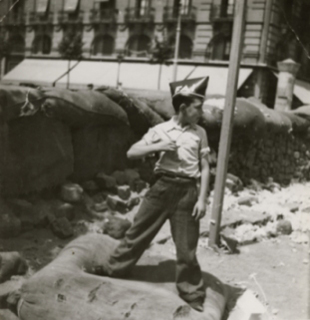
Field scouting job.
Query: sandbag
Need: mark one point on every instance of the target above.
(299, 124)
(63, 290)
(82, 108)
(276, 121)
(303, 112)
(17, 101)
(248, 120)
(98, 149)
(141, 116)
(38, 154)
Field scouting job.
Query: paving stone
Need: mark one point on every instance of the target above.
(247, 201)
(139, 185)
(106, 182)
(131, 177)
(66, 210)
(90, 186)
(120, 177)
(115, 203)
(284, 227)
(62, 228)
(123, 192)
(71, 192)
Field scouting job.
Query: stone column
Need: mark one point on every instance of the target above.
(286, 80)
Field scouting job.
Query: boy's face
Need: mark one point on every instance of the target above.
(193, 112)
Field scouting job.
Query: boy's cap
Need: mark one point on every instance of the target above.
(190, 87)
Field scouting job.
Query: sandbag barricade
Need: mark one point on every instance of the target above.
(18, 102)
(63, 290)
(82, 108)
(36, 153)
(141, 116)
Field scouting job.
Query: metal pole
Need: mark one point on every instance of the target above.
(177, 44)
(226, 131)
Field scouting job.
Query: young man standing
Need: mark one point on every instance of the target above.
(179, 194)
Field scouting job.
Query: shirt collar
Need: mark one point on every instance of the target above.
(173, 124)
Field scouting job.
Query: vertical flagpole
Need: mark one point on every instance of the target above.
(177, 45)
(226, 131)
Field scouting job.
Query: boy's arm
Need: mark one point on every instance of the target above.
(142, 149)
(200, 207)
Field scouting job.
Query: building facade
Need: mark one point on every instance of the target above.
(274, 30)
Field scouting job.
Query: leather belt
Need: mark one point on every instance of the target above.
(175, 176)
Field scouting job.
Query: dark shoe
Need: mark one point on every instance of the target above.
(197, 304)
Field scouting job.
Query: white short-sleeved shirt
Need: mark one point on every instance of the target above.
(192, 145)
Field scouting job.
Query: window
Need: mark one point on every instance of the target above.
(103, 44)
(42, 44)
(186, 46)
(104, 5)
(227, 8)
(142, 7)
(219, 47)
(182, 6)
(138, 45)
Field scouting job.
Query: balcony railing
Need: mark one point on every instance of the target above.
(15, 18)
(103, 16)
(70, 18)
(39, 19)
(140, 15)
(188, 13)
(222, 12)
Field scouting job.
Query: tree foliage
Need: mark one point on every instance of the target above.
(161, 52)
(70, 46)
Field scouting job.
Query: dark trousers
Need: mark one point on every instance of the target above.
(171, 199)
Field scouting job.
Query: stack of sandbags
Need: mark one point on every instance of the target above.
(36, 151)
(65, 290)
(141, 116)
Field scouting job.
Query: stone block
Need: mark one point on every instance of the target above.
(62, 228)
(139, 185)
(123, 192)
(90, 186)
(100, 207)
(233, 183)
(247, 201)
(11, 263)
(71, 192)
(120, 177)
(106, 182)
(65, 210)
(115, 203)
(284, 227)
(116, 227)
(133, 201)
(131, 177)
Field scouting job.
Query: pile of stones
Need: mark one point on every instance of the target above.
(106, 198)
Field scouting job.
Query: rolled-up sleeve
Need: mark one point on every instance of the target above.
(151, 136)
